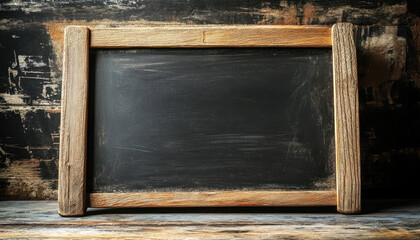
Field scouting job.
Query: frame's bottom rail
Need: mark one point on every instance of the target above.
(214, 199)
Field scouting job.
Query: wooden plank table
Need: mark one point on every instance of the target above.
(39, 219)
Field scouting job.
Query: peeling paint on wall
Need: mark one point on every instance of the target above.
(383, 53)
(25, 181)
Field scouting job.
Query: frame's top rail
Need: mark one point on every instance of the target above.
(211, 36)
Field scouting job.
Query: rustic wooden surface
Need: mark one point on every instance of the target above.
(214, 199)
(73, 134)
(39, 219)
(346, 116)
(31, 46)
(212, 36)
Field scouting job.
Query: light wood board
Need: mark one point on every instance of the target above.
(346, 104)
(73, 132)
(212, 36)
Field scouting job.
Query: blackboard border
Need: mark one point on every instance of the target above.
(72, 196)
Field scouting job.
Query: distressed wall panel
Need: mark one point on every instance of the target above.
(31, 44)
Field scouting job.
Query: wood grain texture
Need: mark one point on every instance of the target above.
(214, 199)
(73, 131)
(346, 111)
(212, 36)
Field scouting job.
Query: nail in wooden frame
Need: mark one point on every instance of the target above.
(72, 196)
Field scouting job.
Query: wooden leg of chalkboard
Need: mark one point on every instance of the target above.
(346, 113)
(73, 135)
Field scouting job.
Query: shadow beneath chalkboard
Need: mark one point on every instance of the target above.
(96, 211)
(380, 205)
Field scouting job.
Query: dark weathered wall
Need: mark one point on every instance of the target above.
(31, 42)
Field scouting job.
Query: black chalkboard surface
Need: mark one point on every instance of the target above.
(211, 119)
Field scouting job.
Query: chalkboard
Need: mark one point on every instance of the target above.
(209, 116)
(211, 119)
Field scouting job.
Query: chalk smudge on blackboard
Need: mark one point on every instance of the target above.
(211, 119)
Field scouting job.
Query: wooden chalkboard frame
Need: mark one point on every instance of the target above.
(72, 196)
